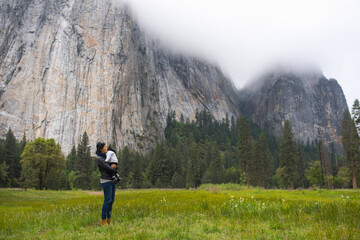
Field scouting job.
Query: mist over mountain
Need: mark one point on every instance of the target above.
(72, 66)
(313, 104)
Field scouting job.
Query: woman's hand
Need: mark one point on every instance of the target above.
(113, 165)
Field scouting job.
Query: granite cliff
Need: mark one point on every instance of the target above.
(313, 104)
(72, 66)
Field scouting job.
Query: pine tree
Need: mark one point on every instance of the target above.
(319, 157)
(216, 168)
(170, 124)
(326, 164)
(323, 158)
(136, 175)
(193, 171)
(3, 174)
(173, 140)
(177, 181)
(124, 166)
(22, 144)
(230, 158)
(300, 165)
(71, 160)
(12, 158)
(244, 147)
(286, 154)
(264, 160)
(160, 167)
(208, 156)
(179, 159)
(233, 130)
(202, 151)
(3, 166)
(350, 143)
(182, 120)
(254, 166)
(71, 172)
(84, 164)
(333, 162)
(2, 151)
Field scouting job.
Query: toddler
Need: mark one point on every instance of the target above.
(112, 159)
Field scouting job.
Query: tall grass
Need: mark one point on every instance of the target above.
(212, 212)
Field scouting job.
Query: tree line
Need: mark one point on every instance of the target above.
(41, 164)
(201, 151)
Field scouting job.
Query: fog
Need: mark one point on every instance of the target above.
(246, 38)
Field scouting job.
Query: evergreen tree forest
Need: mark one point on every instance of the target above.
(192, 153)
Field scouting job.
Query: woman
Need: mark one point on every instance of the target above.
(106, 182)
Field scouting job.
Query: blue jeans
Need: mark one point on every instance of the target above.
(109, 198)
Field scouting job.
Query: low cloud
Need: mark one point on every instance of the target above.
(246, 37)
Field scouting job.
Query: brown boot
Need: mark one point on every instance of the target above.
(104, 222)
(108, 220)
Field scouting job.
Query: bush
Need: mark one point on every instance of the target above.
(313, 174)
(343, 178)
(72, 179)
(95, 181)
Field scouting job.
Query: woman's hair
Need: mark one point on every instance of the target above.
(99, 146)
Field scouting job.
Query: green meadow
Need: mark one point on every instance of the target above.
(210, 212)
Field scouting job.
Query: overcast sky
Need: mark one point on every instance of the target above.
(246, 37)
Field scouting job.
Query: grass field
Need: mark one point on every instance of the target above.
(211, 212)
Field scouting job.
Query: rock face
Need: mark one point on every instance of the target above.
(74, 66)
(313, 104)
(70, 66)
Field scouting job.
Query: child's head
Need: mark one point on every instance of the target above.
(110, 149)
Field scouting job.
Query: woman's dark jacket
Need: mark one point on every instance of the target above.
(106, 171)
